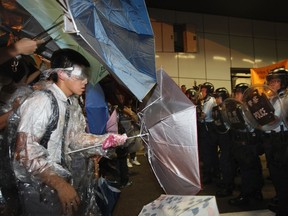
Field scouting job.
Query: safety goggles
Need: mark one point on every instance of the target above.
(75, 72)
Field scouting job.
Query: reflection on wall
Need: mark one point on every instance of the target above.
(221, 43)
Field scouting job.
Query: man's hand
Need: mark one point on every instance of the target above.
(114, 140)
(68, 198)
(26, 46)
(67, 194)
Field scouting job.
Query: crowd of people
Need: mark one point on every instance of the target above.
(42, 125)
(42, 122)
(232, 137)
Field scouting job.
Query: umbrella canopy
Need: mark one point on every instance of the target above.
(48, 13)
(170, 119)
(96, 109)
(119, 33)
(16, 22)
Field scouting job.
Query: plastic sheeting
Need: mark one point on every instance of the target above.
(31, 158)
(170, 119)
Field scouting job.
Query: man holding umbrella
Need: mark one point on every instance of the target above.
(43, 169)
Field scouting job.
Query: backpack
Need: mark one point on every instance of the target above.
(7, 146)
(14, 120)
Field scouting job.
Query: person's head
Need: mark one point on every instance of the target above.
(221, 94)
(71, 71)
(192, 95)
(183, 88)
(207, 88)
(120, 96)
(239, 91)
(277, 79)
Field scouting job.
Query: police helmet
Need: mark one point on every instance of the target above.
(278, 73)
(241, 87)
(209, 86)
(191, 93)
(221, 92)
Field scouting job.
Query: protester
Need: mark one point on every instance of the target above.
(13, 92)
(42, 163)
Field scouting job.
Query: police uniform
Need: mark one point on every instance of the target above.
(207, 141)
(244, 144)
(276, 151)
(226, 161)
(247, 158)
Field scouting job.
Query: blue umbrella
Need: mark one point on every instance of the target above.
(49, 13)
(120, 34)
(116, 33)
(96, 109)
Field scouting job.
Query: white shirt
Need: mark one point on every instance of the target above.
(35, 114)
(208, 105)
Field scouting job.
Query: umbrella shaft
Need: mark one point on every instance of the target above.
(46, 31)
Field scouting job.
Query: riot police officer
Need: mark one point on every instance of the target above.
(226, 161)
(276, 147)
(245, 139)
(192, 94)
(207, 134)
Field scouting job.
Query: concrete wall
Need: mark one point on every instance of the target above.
(221, 43)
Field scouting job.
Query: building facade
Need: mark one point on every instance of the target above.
(194, 48)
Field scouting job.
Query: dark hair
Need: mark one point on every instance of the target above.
(64, 58)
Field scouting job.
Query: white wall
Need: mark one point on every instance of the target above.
(222, 43)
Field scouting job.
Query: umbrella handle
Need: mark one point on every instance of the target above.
(98, 145)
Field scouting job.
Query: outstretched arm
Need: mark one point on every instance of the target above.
(24, 46)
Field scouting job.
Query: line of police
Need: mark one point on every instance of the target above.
(234, 131)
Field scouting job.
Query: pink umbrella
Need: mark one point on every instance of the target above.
(112, 123)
